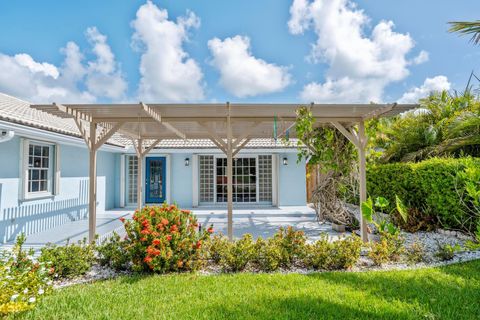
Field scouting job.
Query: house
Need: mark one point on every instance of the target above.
(44, 172)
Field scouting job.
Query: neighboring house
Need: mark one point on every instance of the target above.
(44, 172)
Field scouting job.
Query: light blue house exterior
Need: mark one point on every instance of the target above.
(44, 173)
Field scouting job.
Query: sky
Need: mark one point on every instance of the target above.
(295, 51)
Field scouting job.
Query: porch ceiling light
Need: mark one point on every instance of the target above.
(187, 162)
(285, 161)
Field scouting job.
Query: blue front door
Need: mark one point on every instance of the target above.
(155, 180)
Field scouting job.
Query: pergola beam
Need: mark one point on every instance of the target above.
(158, 118)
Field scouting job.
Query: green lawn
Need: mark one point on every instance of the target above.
(445, 293)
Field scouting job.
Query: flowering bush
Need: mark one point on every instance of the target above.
(22, 280)
(165, 238)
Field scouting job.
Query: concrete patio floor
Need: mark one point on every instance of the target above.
(260, 222)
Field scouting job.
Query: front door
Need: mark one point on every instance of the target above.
(155, 180)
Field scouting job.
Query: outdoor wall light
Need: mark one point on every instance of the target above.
(187, 162)
(285, 161)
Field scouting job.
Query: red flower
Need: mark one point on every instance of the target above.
(147, 259)
(164, 221)
(156, 242)
(199, 244)
(122, 219)
(210, 230)
(145, 232)
(156, 252)
(173, 228)
(145, 223)
(143, 239)
(169, 237)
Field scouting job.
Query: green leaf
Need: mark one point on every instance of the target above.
(367, 210)
(381, 202)
(402, 209)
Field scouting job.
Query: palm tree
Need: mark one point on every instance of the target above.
(467, 28)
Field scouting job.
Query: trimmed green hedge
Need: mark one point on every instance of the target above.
(432, 186)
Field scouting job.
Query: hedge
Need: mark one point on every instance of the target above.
(432, 186)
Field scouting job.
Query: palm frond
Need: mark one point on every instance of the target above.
(467, 28)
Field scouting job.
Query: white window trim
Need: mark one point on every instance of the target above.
(53, 171)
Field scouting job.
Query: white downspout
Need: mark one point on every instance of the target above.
(7, 136)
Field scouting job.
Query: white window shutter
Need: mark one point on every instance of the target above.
(57, 172)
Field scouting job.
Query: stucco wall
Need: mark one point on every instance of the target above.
(291, 181)
(181, 180)
(70, 204)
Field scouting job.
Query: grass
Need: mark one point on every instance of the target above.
(451, 292)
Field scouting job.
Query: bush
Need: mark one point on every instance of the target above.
(333, 255)
(446, 251)
(291, 244)
(434, 189)
(216, 247)
(113, 252)
(268, 254)
(238, 254)
(70, 260)
(165, 238)
(389, 248)
(415, 253)
(23, 282)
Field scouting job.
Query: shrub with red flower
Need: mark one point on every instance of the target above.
(165, 238)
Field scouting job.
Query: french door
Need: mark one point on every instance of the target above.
(155, 176)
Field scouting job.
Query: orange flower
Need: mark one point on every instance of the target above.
(199, 244)
(147, 259)
(143, 239)
(152, 213)
(186, 211)
(179, 263)
(169, 237)
(164, 221)
(145, 223)
(210, 230)
(145, 232)
(156, 252)
(122, 219)
(173, 228)
(156, 242)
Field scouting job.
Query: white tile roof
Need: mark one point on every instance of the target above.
(19, 111)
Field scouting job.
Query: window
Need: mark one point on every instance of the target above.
(40, 162)
(132, 171)
(265, 178)
(206, 178)
(244, 180)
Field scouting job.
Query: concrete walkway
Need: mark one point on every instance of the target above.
(260, 222)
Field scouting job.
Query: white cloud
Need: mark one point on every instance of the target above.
(103, 76)
(438, 83)
(167, 72)
(368, 62)
(43, 82)
(241, 73)
(422, 57)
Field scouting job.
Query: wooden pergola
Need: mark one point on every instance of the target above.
(229, 126)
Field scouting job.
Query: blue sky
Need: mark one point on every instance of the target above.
(259, 55)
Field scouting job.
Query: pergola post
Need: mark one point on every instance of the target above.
(139, 175)
(141, 153)
(360, 141)
(92, 190)
(229, 177)
(362, 178)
